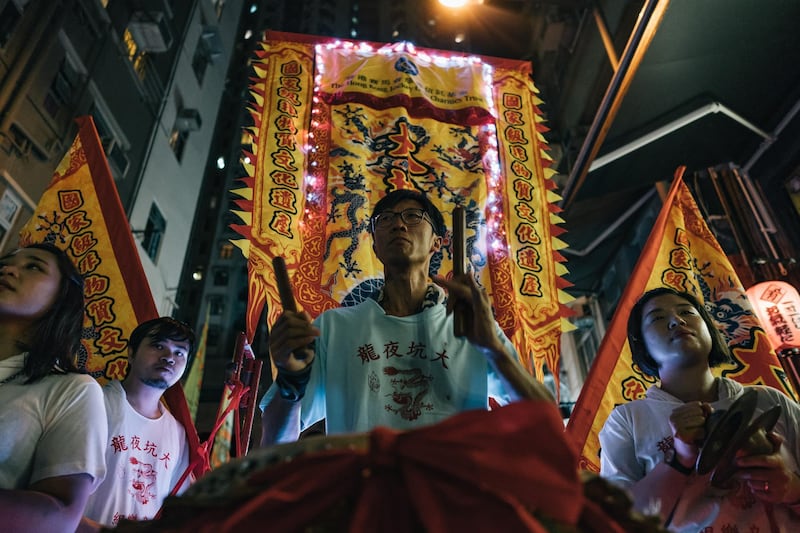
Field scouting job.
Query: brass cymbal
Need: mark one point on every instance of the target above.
(726, 431)
(734, 432)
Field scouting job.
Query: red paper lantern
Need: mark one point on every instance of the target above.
(777, 305)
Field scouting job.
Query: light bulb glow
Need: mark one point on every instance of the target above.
(491, 223)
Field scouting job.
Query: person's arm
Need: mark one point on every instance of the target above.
(52, 504)
(516, 380)
(280, 419)
(180, 475)
(658, 491)
(69, 461)
(289, 346)
(465, 295)
(620, 466)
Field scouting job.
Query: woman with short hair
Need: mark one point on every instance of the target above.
(651, 446)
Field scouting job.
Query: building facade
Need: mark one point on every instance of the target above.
(151, 73)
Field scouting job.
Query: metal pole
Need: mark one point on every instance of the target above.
(608, 43)
(643, 33)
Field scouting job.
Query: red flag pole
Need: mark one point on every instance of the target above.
(248, 404)
(585, 410)
(236, 379)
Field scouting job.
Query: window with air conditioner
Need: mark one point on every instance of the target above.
(113, 146)
(219, 5)
(225, 250)
(186, 120)
(62, 89)
(208, 50)
(177, 141)
(200, 60)
(213, 336)
(154, 232)
(118, 160)
(150, 31)
(216, 305)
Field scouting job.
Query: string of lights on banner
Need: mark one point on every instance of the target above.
(337, 124)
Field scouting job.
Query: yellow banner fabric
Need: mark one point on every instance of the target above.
(78, 213)
(338, 124)
(682, 253)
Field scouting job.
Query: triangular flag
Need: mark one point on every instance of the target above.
(682, 253)
(81, 213)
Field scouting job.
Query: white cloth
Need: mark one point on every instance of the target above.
(52, 427)
(145, 457)
(373, 369)
(637, 436)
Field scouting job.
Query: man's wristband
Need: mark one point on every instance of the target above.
(292, 385)
(674, 463)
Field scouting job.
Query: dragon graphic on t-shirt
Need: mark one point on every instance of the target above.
(409, 388)
(143, 486)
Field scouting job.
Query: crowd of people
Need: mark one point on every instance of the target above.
(74, 455)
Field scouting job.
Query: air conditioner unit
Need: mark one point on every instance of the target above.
(188, 120)
(150, 31)
(213, 42)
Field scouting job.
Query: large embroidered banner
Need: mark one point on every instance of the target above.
(682, 253)
(338, 124)
(81, 213)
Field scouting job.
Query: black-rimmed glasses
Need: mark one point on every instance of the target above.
(410, 217)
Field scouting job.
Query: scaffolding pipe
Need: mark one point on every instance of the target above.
(771, 140)
(768, 222)
(763, 225)
(608, 42)
(642, 35)
(692, 116)
(610, 229)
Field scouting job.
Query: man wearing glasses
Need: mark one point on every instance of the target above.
(393, 359)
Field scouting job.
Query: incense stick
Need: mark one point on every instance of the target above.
(284, 284)
(459, 245)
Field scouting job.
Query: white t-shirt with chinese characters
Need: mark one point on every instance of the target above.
(637, 436)
(373, 369)
(145, 459)
(53, 427)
